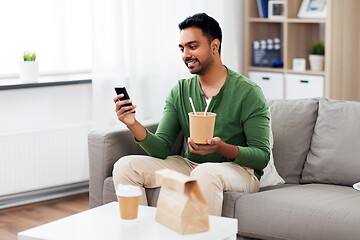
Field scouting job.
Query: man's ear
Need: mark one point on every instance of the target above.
(215, 44)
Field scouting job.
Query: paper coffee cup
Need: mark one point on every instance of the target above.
(201, 127)
(128, 197)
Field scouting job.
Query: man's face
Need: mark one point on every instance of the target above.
(196, 50)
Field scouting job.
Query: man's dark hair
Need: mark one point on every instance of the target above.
(209, 26)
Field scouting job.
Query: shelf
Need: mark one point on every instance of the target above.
(266, 69)
(306, 20)
(281, 70)
(289, 20)
(296, 35)
(339, 31)
(266, 20)
(322, 73)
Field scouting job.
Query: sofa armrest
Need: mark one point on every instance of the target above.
(229, 200)
(105, 148)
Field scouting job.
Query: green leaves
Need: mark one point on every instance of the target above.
(33, 57)
(29, 57)
(317, 48)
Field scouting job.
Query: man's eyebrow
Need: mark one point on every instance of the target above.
(188, 43)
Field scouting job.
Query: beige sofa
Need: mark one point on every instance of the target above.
(316, 151)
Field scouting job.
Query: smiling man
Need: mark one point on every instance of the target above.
(231, 161)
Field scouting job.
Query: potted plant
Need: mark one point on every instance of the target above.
(316, 57)
(29, 68)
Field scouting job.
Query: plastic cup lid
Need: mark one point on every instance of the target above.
(128, 191)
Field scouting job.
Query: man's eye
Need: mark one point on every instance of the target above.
(193, 46)
(181, 50)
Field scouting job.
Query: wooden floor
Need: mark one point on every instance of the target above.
(17, 219)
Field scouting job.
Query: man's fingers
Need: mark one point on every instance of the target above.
(118, 97)
(126, 109)
(190, 148)
(192, 144)
(119, 104)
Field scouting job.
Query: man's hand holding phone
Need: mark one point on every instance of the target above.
(124, 109)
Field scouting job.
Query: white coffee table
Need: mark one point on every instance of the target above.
(104, 222)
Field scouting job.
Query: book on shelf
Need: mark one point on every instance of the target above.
(263, 8)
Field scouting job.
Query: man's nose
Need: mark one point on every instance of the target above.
(186, 54)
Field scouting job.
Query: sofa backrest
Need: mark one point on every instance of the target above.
(293, 124)
(334, 156)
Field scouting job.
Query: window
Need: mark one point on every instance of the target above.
(59, 31)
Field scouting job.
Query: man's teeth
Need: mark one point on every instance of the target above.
(190, 64)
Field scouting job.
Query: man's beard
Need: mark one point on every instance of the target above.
(202, 67)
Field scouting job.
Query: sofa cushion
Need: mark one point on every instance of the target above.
(311, 211)
(334, 155)
(270, 176)
(293, 124)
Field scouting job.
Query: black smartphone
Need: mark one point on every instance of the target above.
(122, 90)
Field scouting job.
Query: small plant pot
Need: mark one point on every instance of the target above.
(316, 62)
(29, 71)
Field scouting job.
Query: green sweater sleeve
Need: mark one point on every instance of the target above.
(256, 154)
(159, 144)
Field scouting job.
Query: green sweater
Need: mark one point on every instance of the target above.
(242, 120)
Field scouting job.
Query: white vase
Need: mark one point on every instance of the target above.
(316, 62)
(29, 71)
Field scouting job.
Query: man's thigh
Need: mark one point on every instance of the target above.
(144, 167)
(230, 176)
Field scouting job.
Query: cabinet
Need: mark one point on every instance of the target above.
(272, 84)
(304, 86)
(339, 31)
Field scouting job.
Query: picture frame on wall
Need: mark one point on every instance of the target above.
(276, 9)
(312, 9)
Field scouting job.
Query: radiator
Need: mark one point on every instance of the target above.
(45, 158)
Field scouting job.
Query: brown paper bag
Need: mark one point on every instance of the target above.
(181, 205)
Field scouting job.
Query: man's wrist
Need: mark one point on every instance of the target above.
(130, 126)
(228, 150)
(222, 148)
(138, 130)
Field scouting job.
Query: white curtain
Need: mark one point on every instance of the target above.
(136, 45)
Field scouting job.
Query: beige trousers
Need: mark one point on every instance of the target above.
(213, 178)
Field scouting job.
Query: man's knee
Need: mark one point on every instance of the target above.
(124, 164)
